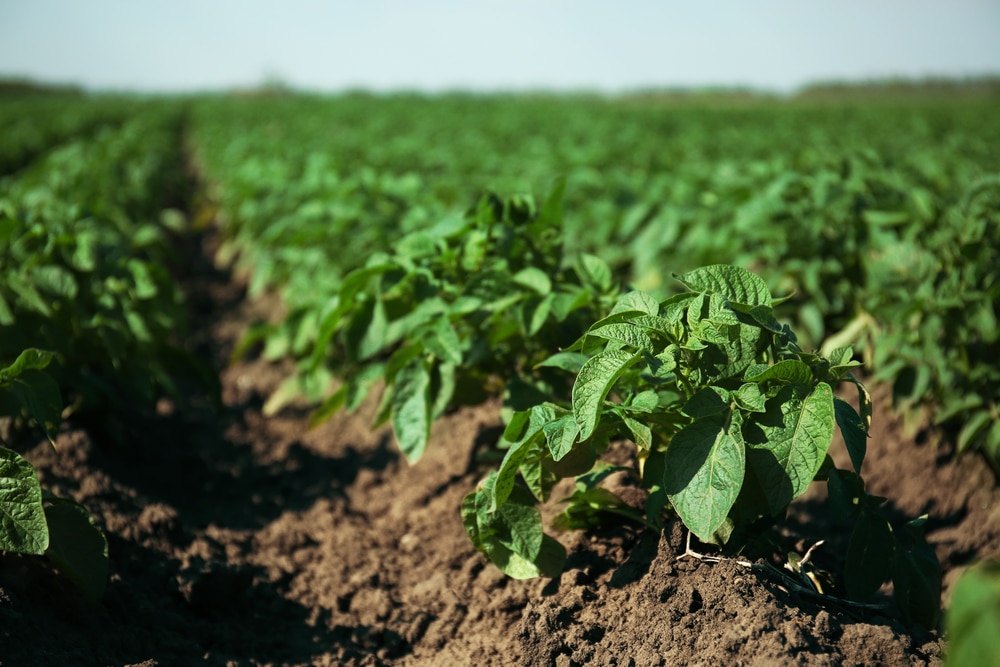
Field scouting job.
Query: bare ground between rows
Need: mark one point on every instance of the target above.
(240, 540)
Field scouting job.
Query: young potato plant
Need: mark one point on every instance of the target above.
(463, 309)
(731, 419)
(33, 521)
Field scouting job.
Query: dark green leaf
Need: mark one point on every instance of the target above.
(77, 546)
(853, 430)
(869, 555)
(23, 528)
(703, 472)
(411, 409)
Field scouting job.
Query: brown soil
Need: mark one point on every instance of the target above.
(240, 540)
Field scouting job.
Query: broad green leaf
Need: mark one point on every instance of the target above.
(411, 410)
(524, 523)
(789, 370)
(571, 362)
(594, 271)
(560, 435)
(77, 546)
(642, 435)
(550, 561)
(707, 402)
(592, 385)
(974, 616)
(55, 280)
(703, 472)
(788, 443)
(527, 428)
(646, 401)
(443, 342)
(637, 301)
(23, 528)
(32, 358)
(534, 279)
(853, 430)
(741, 287)
(40, 396)
(750, 398)
(374, 338)
(539, 313)
(629, 334)
(869, 556)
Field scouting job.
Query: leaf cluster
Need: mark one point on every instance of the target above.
(731, 419)
(472, 303)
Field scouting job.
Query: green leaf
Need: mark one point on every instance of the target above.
(707, 402)
(524, 523)
(789, 370)
(328, 407)
(39, 394)
(571, 362)
(55, 280)
(703, 472)
(974, 617)
(443, 342)
(642, 435)
(637, 301)
(77, 546)
(977, 423)
(869, 555)
(646, 401)
(592, 385)
(32, 358)
(524, 431)
(788, 443)
(750, 398)
(853, 430)
(594, 271)
(374, 338)
(23, 528)
(741, 287)
(411, 409)
(534, 279)
(560, 436)
(551, 213)
(145, 284)
(630, 334)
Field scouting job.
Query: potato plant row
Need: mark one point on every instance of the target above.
(89, 313)
(33, 125)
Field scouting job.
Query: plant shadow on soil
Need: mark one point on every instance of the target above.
(242, 540)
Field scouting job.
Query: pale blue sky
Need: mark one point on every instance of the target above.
(186, 45)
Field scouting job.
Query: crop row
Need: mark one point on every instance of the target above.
(34, 125)
(89, 314)
(879, 222)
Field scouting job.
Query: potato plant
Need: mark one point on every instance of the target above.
(458, 311)
(731, 419)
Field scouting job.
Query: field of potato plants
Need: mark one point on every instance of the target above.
(499, 379)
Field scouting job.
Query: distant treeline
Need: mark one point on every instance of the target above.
(22, 87)
(933, 87)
